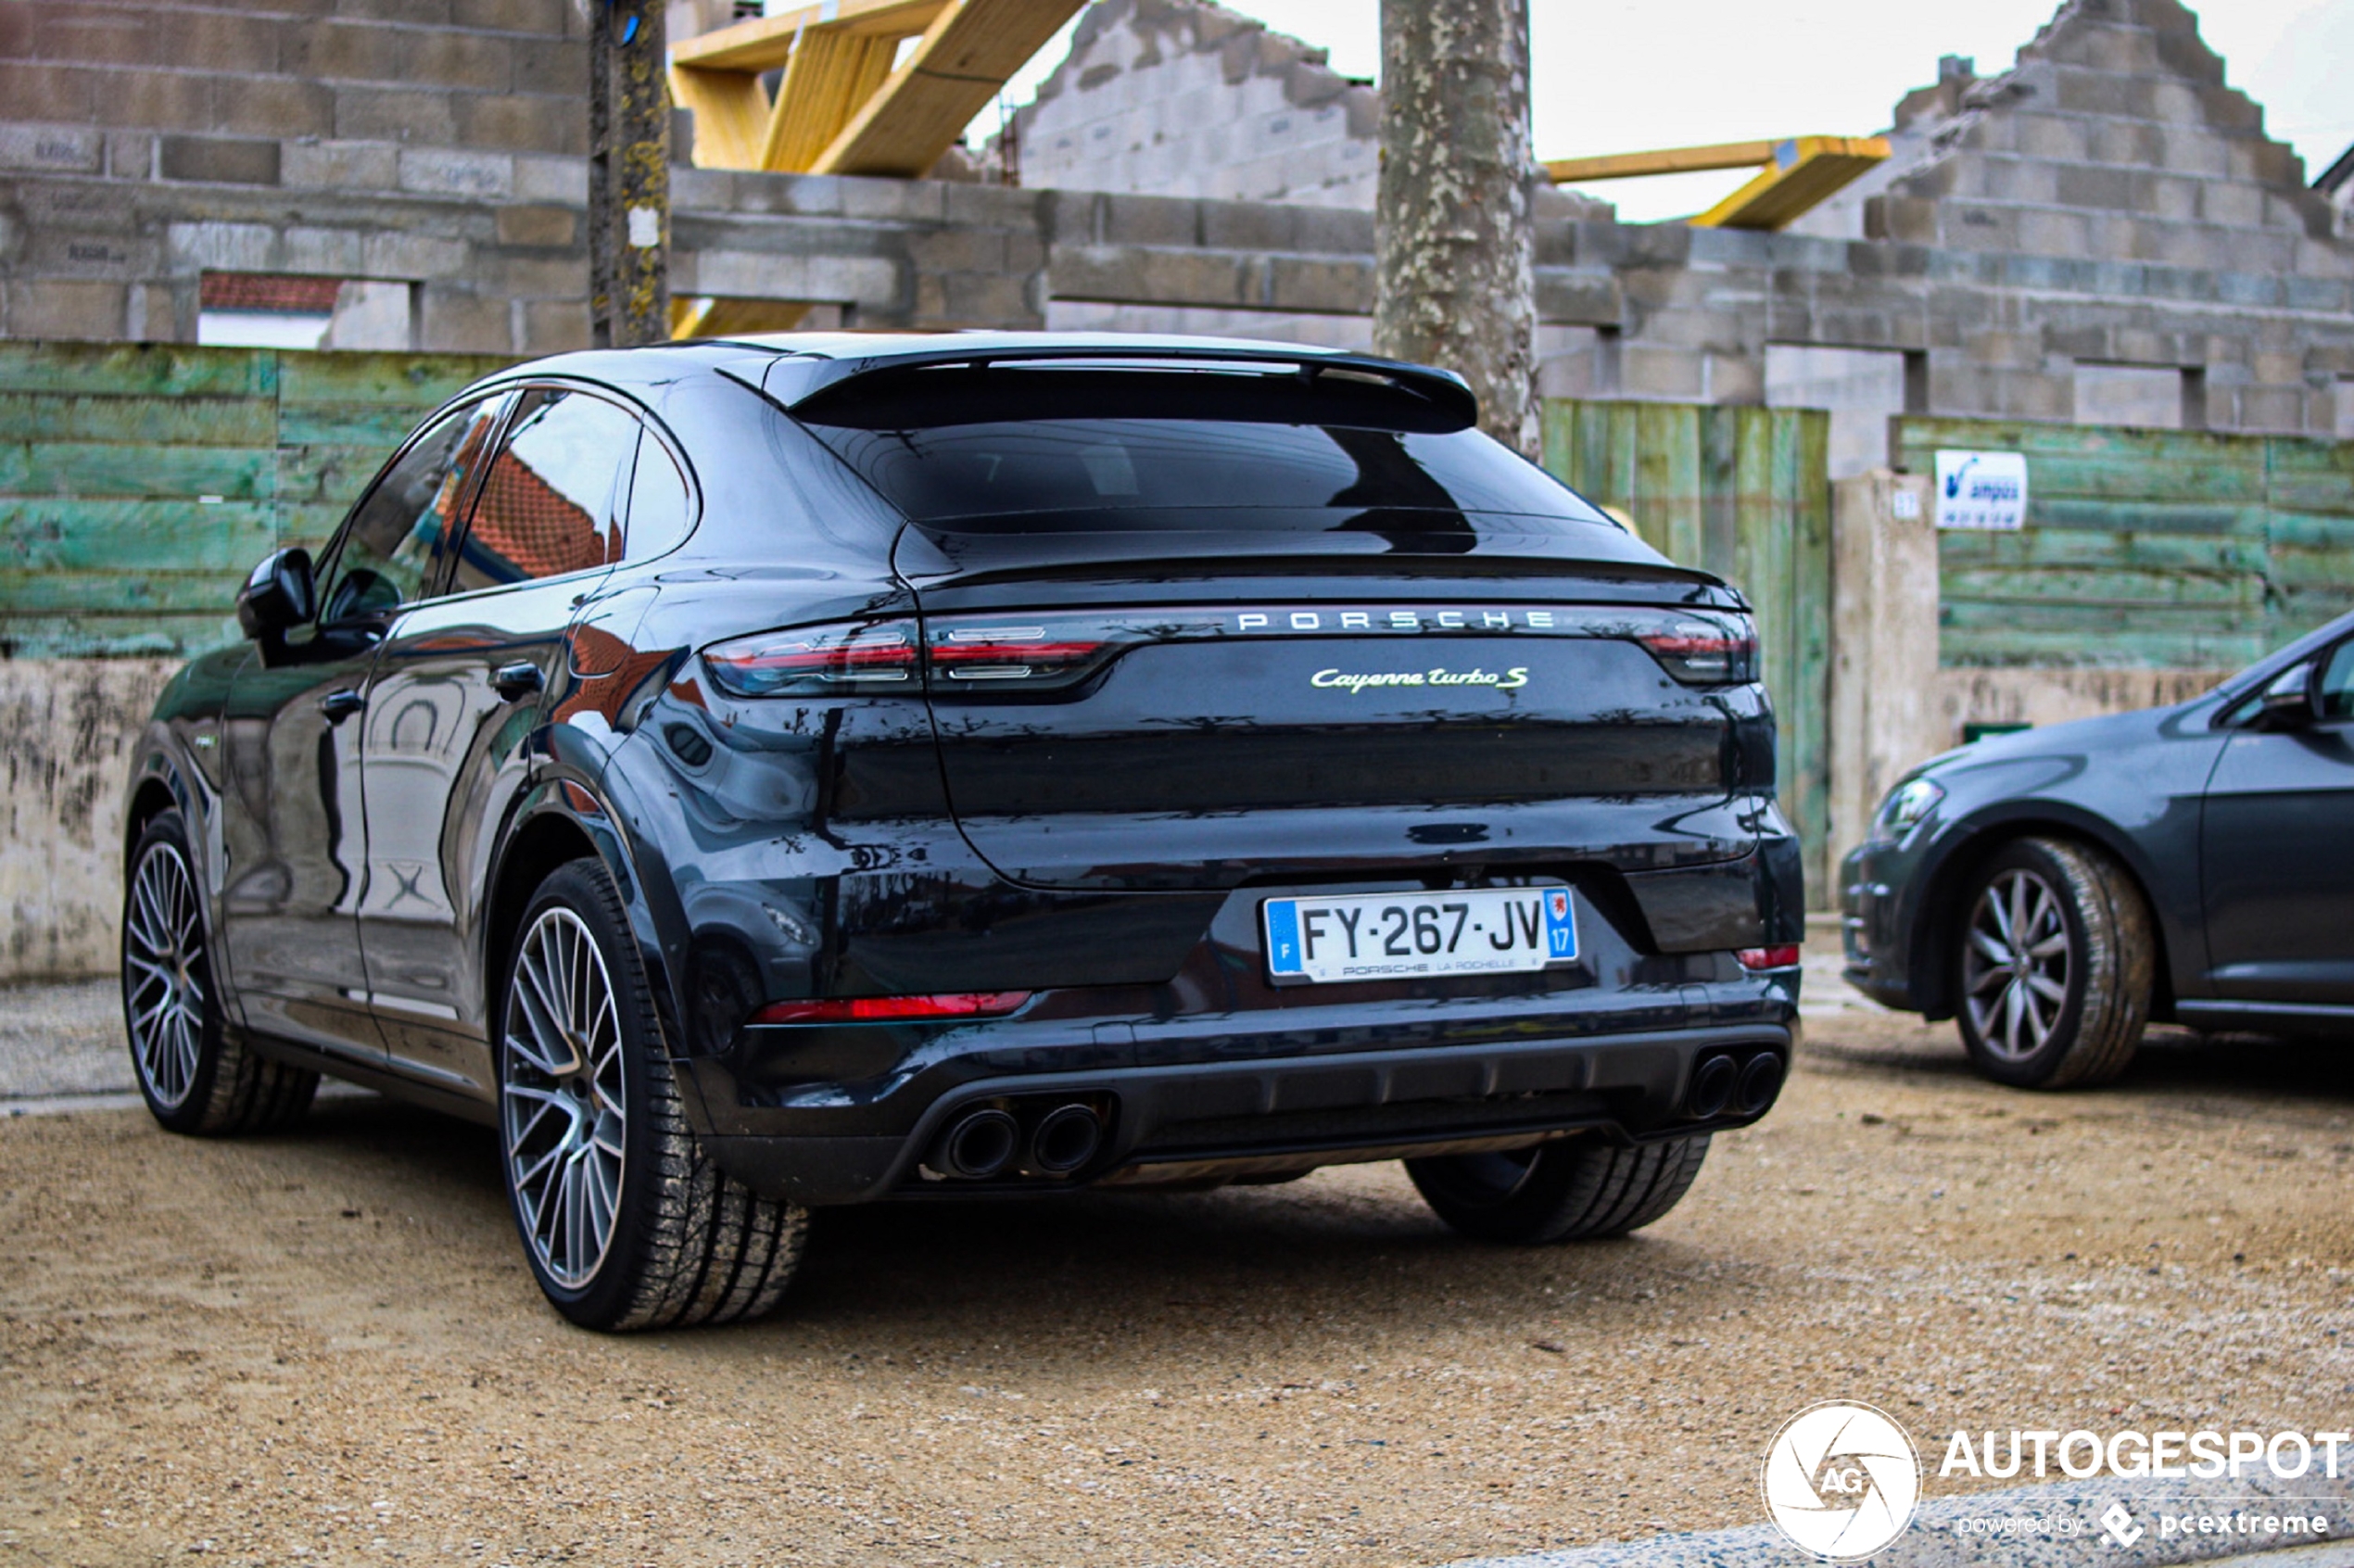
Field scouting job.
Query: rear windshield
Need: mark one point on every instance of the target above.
(1009, 448)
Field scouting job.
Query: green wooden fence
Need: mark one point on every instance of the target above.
(2153, 547)
(1744, 493)
(139, 482)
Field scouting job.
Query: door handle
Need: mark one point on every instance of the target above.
(517, 680)
(340, 705)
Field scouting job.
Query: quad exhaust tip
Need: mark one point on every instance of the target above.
(1065, 1139)
(1761, 1081)
(1711, 1089)
(977, 1144)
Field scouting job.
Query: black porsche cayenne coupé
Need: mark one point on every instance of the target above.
(827, 768)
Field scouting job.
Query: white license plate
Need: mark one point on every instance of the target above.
(1396, 936)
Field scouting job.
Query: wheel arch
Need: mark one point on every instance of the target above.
(1940, 896)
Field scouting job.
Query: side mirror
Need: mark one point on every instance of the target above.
(278, 596)
(2287, 703)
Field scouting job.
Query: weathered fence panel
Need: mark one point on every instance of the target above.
(1744, 492)
(2156, 549)
(138, 482)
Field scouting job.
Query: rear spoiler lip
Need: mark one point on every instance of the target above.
(792, 379)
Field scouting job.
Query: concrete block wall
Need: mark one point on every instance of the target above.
(1185, 98)
(2116, 145)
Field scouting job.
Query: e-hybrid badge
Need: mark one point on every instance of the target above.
(1388, 936)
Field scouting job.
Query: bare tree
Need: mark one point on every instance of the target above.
(1455, 238)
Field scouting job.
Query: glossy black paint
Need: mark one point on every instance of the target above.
(2240, 833)
(377, 800)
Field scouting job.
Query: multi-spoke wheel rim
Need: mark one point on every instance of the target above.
(163, 975)
(2014, 963)
(562, 1102)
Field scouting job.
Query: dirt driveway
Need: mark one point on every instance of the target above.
(323, 1347)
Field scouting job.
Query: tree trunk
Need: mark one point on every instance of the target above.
(1454, 234)
(628, 174)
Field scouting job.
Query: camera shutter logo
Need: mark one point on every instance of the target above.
(1841, 1480)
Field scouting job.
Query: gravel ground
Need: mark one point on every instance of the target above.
(324, 1346)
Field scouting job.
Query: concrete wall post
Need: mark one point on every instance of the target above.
(1884, 597)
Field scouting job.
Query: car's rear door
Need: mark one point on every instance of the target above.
(455, 693)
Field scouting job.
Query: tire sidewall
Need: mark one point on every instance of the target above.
(166, 828)
(2040, 1065)
(583, 888)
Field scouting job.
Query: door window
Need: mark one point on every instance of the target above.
(2337, 682)
(386, 556)
(547, 507)
(659, 507)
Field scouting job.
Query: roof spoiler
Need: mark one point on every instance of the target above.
(794, 379)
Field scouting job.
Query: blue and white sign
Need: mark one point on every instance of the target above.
(1981, 490)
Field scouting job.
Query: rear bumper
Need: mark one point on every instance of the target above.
(1205, 1122)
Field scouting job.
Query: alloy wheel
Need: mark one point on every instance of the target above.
(2015, 964)
(163, 975)
(562, 1100)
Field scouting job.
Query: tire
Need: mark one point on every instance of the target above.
(624, 1220)
(2054, 959)
(1576, 1190)
(197, 1075)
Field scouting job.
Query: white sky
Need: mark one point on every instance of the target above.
(1626, 75)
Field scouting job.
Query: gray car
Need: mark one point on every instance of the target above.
(2054, 891)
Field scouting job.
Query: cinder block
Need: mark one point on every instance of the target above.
(164, 100)
(391, 254)
(2193, 149)
(1650, 370)
(66, 307)
(560, 180)
(337, 251)
(210, 39)
(41, 92)
(1320, 285)
(2271, 409)
(223, 160)
(917, 201)
(228, 248)
(2096, 185)
(483, 176)
(460, 322)
(512, 16)
(2226, 201)
(702, 190)
(537, 122)
(2051, 135)
(387, 114)
(55, 149)
(374, 166)
(550, 66)
(553, 326)
(154, 314)
(543, 226)
(2091, 91)
(958, 250)
(979, 300)
(530, 276)
(1006, 204)
(131, 155)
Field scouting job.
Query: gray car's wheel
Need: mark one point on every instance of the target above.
(1574, 1190)
(2054, 962)
(624, 1219)
(197, 1074)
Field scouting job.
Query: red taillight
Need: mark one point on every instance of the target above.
(816, 661)
(1019, 653)
(885, 1009)
(1705, 651)
(1784, 957)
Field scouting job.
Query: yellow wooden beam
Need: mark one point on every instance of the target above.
(725, 317)
(1798, 173)
(1805, 171)
(959, 65)
(762, 43)
(832, 76)
(731, 114)
(1670, 160)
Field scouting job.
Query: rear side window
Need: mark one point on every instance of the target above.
(1009, 448)
(548, 505)
(659, 514)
